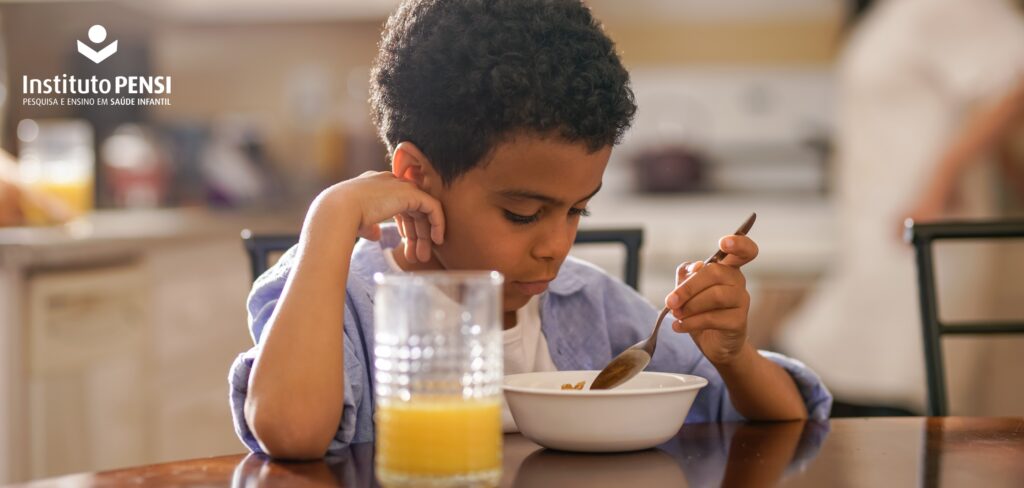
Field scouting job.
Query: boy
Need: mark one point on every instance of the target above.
(499, 118)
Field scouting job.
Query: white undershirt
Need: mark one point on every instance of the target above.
(525, 347)
(526, 351)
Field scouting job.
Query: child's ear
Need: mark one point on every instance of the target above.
(409, 163)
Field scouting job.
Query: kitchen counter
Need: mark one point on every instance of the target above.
(149, 226)
(794, 233)
(116, 333)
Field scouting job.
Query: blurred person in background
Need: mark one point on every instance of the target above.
(926, 90)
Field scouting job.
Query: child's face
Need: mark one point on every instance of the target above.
(518, 213)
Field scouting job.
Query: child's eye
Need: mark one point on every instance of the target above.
(582, 212)
(529, 219)
(522, 219)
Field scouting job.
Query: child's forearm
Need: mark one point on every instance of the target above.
(761, 389)
(296, 388)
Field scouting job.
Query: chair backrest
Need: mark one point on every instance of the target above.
(922, 236)
(261, 248)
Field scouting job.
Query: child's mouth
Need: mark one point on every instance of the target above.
(531, 287)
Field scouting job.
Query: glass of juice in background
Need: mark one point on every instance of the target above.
(56, 163)
(438, 371)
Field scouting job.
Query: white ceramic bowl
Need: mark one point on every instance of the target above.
(641, 413)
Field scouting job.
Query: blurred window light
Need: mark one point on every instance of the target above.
(28, 130)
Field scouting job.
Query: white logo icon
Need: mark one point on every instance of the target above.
(97, 34)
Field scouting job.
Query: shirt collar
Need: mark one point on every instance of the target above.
(568, 280)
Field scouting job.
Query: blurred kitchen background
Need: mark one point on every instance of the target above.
(117, 326)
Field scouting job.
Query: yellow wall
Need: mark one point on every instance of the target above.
(768, 42)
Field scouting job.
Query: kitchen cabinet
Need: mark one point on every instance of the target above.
(116, 335)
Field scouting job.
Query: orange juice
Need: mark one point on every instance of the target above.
(75, 196)
(439, 437)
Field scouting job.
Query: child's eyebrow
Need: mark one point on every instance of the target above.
(520, 194)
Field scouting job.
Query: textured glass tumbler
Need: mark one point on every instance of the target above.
(437, 378)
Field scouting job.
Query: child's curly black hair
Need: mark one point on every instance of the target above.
(458, 77)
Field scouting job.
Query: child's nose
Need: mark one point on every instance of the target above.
(554, 243)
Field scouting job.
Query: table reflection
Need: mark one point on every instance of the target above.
(353, 468)
(651, 467)
(745, 454)
(949, 451)
(752, 454)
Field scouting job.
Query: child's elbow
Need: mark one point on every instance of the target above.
(798, 412)
(291, 437)
(292, 445)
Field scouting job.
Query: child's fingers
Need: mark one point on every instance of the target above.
(685, 287)
(718, 297)
(422, 236)
(403, 226)
(702, 277)
(400, 225)
(740, 250)
(436, 219)
(715, 319)
(682, 272)
(429, 210)
(423, 250)
(410, 238)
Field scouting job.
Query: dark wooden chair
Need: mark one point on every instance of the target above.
(922, 236)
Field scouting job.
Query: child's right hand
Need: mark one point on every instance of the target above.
(379, 196)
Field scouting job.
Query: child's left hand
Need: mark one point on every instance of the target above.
(711, 302)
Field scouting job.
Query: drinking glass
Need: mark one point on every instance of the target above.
(56, 159)
(437, 378)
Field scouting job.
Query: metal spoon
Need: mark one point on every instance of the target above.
(636, 357)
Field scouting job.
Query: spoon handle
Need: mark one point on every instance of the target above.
(653, 341)
(742, 231)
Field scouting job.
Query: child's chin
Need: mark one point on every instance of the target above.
(514, 300)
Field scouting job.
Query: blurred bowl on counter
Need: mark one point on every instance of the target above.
(670, 170)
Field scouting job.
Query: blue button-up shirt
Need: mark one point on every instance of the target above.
(586, 315)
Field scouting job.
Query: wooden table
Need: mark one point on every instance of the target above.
(951, 451)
